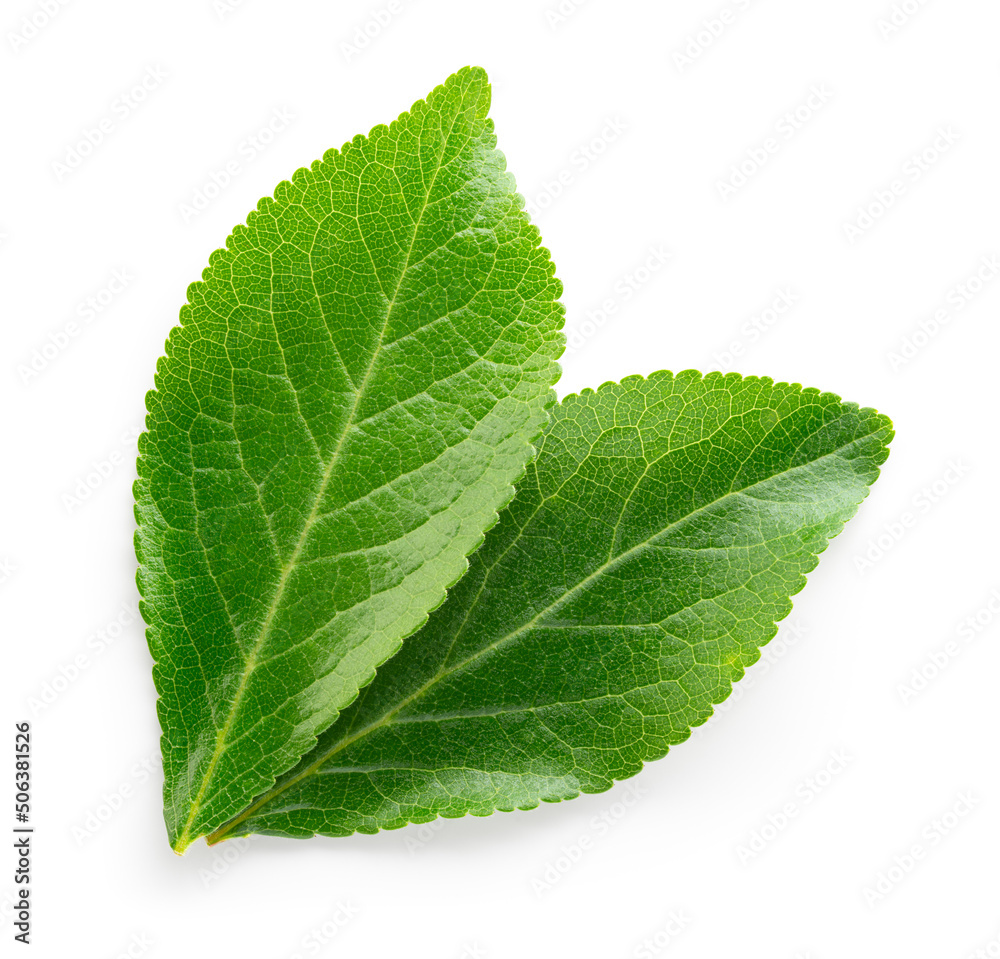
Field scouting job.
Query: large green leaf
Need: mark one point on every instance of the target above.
(352, 392)
(651, 549)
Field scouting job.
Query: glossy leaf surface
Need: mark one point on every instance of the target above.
(652, 547)
(351, 394)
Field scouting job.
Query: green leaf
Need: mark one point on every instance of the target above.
(351, 393)
(652, 547)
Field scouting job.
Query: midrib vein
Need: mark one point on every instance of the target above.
(387, 718)
(251, 662)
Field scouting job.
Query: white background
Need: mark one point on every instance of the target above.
(678, 861)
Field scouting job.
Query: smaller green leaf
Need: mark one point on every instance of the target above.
(650, 551)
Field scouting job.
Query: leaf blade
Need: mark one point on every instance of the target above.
(517, 692)
(348, 400)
